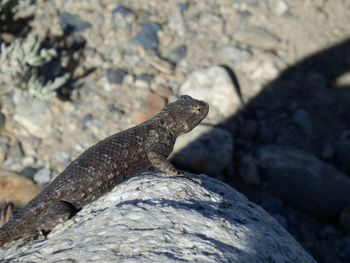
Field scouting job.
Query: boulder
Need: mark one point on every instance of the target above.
(158, 218)
(304, 181)
(206, 149)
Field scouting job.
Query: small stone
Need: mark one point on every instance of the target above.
(72, 23)
(123, 10)
(14, 155)
(145, 77)
(257, 37)
(281, 8)
(264, 70)
(150, 107)
(321, 189)
(28, 161)
(148, 37)
(205, 149)
(42, 176)
(213, 85)
(183, 7)
(116, 76)
(143, 80)
(177, 23)
(248, 170)
(128, 80)
(159, 63)
(177, 54)
(162, 90)
(235, 54)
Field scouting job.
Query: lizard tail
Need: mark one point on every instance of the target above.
(20, 224)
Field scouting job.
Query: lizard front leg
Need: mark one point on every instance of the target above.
(157, 155)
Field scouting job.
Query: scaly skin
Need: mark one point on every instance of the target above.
(104, 165)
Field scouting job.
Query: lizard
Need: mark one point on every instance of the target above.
(103, 166)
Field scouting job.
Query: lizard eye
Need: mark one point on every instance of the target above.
(196, 109)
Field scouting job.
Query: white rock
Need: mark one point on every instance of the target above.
(235, 54)
(214, 86)
(159, 218)
(42, 176)
(281, 7)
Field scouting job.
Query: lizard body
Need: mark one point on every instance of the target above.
(104, 165)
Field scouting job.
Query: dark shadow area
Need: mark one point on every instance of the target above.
(10, 26)
(308, 109)
(69, 48)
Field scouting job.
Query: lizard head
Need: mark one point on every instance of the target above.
(185, 114)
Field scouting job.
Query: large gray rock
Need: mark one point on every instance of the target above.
(206, 149)
(158, 218)
(304, 181)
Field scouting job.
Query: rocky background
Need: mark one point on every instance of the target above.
(275, 73)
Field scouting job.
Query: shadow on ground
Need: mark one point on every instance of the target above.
(308, 108)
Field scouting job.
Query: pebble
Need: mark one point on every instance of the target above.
(248, 170)
(43, 176)
(205, 149)
(213, 85)
(183, 7)
(123, 10)
(143, 81)
(116, 76)
(257, 37)
(234, 54)
(177, 23)
(281, 8)
(71, 23)
(321, 189)
(151, 105)
(14, 156)
(159, 63)
(161, 90)
(177, 54)
(148, 37)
